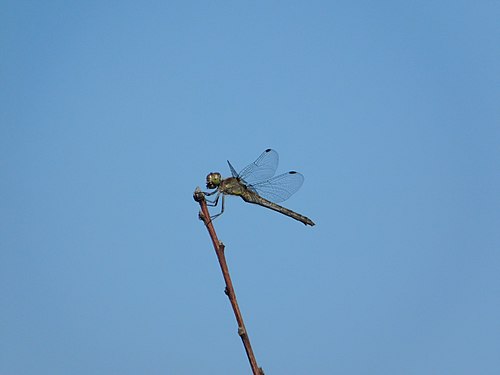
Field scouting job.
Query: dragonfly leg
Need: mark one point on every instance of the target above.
(213, 203)
(222, 208)
(209, 193)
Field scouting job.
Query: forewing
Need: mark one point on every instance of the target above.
(233, 171)
(261, 169)
(279, 188)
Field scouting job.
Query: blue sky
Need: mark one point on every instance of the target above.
(113, 112)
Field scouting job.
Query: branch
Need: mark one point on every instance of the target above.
(219, 247)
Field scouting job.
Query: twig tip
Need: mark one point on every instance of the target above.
(198, 195)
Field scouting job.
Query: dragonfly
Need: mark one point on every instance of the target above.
(256, 184)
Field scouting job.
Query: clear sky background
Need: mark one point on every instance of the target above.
(113, 112)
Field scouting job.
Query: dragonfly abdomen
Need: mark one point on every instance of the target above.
(255, 199)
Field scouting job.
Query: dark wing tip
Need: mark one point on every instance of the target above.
(269, 150)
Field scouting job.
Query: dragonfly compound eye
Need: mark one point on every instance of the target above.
(213, 180)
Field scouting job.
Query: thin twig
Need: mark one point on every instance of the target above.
(219, 250)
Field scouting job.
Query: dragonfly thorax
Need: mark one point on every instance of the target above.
(213, 180)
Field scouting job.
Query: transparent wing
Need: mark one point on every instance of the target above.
(233, 171)
(279, 188)
(261, 169)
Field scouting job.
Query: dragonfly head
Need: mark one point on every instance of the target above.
(213, 180)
